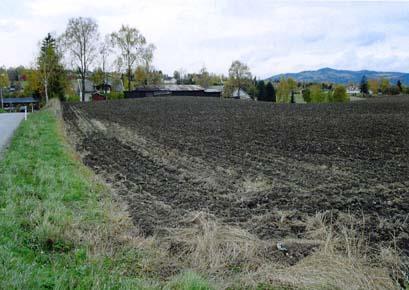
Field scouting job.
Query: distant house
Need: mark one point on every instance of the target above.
(166, 90)
(241, 95)
(353, 91)
(169, 81)
(214, 91)
(89, 89)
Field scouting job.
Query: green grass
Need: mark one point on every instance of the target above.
(52, 216)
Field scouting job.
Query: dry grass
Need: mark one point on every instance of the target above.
(234, 258)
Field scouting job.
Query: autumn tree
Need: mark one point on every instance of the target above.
(81, 41)
(132, 50)
(239, 76)
(283, 91)
(374, 86)
(385, 85)
(4, 83)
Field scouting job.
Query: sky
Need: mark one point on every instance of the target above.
(271, 37)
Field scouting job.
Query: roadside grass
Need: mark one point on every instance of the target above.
(59, 229)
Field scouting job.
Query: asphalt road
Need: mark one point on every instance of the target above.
(8, 123)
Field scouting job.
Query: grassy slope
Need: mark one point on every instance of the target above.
(58, 229)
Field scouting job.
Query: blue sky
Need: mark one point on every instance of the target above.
(270, 36)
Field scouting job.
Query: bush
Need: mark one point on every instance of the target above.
(340, 95)
(72, 98)
(306, 94)
(115, 96)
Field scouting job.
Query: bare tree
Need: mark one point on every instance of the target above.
(105, 49)
(133, 49)
(81, 40)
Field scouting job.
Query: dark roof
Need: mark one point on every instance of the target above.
(19, 100)
(171, 88)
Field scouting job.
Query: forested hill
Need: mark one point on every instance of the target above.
(342, 76)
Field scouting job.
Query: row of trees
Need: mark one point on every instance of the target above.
(382, 86)
(80, 46)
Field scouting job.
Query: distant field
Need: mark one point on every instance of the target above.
(264, 168)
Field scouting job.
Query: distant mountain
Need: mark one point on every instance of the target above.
(342, 76)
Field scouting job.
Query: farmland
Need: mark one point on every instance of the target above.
(263, 168)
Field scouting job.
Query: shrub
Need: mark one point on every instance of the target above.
(340, 95)
(73, 98)
(306, 94)
(115, 96)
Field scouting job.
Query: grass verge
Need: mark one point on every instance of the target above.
(59, 229)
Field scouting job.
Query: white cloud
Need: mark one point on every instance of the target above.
(272, 37)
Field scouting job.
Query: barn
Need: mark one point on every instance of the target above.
(166, 90)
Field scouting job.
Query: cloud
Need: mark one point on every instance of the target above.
(272, 37)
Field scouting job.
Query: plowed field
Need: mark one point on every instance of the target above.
(262, 167)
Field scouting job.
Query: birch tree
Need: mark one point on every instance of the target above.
(81, 41)
(132, 50)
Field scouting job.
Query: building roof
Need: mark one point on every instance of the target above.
(28, 100)
(243, 94)
(215, 89)
(171, 88)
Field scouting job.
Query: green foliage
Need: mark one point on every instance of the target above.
(72, 98)
(283, 91)
(261, 91)
(270, 93)
(46, 199)
(364, 86)
(98, 77)
(133, 49)
(340, 95)
(399, 85)
(52, 75)
(4, 80)
(385, 85)
(306, 94)
(115, 96)
(33, 86)
(317, 95)
(239, 76)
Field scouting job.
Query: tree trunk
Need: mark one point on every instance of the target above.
(1, 97)
(83, 88)
(129, 79)
(46, 91)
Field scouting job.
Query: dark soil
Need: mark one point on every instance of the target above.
(259, 166)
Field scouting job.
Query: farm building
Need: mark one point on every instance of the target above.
(214, 91)
(89, 89)
(14, 104)
(166, 90)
